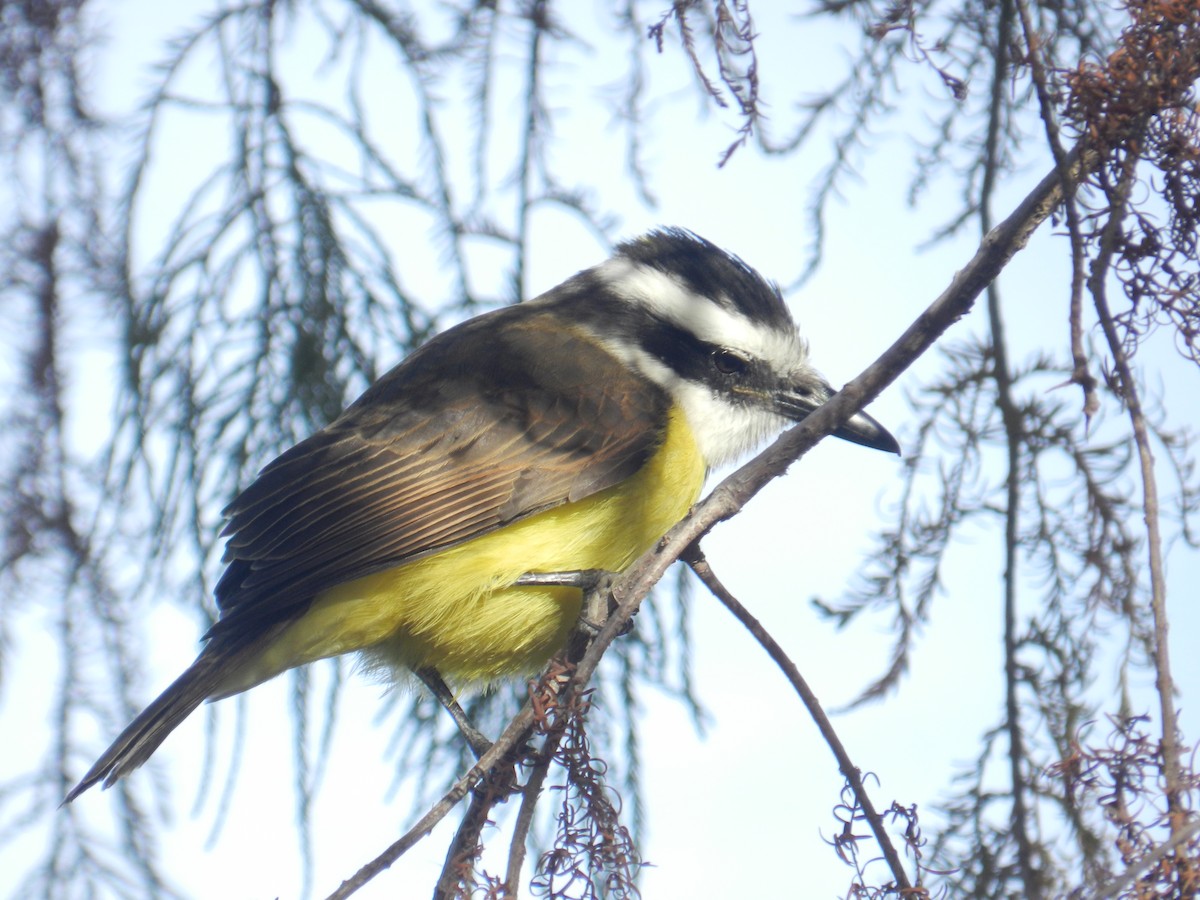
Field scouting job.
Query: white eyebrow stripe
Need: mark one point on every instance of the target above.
(711, 320)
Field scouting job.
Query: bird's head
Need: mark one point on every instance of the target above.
(715, 335)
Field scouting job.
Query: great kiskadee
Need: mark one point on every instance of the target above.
(564, 434)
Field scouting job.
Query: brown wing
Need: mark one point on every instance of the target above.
(504, 416)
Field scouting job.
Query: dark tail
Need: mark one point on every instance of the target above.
(141, 738)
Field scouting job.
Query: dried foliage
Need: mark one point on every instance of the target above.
(1122, 774)
(1141, 111)
(593, 853)
(729, 31)
(848, 844)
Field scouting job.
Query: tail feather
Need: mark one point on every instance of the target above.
(143, 735)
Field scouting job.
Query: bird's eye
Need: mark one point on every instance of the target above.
(728, 362)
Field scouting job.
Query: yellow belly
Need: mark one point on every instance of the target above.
(459, 610)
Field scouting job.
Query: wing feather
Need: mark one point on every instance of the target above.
(504, 416)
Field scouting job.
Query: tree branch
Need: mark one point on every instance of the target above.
(696, 560)
(1164, 682)
(511, 736)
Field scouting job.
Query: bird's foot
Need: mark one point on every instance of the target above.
(596, 584)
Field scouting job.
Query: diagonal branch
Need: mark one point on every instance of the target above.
(699, 564)
(995, 250)
(512, 735)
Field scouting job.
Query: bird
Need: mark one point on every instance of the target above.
(567, 433)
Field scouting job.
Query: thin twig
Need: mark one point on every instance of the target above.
(512, 735)
(531, 792)
(534, 115)
(1118, 886)
(694, 557)
(1080, 372)
(595, 609)
(464, 850)
(1164, 682)
(1014, 426)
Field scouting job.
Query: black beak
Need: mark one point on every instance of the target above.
(799, 400)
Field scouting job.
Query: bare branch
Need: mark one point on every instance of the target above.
(696, 560)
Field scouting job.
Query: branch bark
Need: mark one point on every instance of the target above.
(1172, 767)
(696, 560)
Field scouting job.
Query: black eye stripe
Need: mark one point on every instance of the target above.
(677, 348)
(690, 357)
